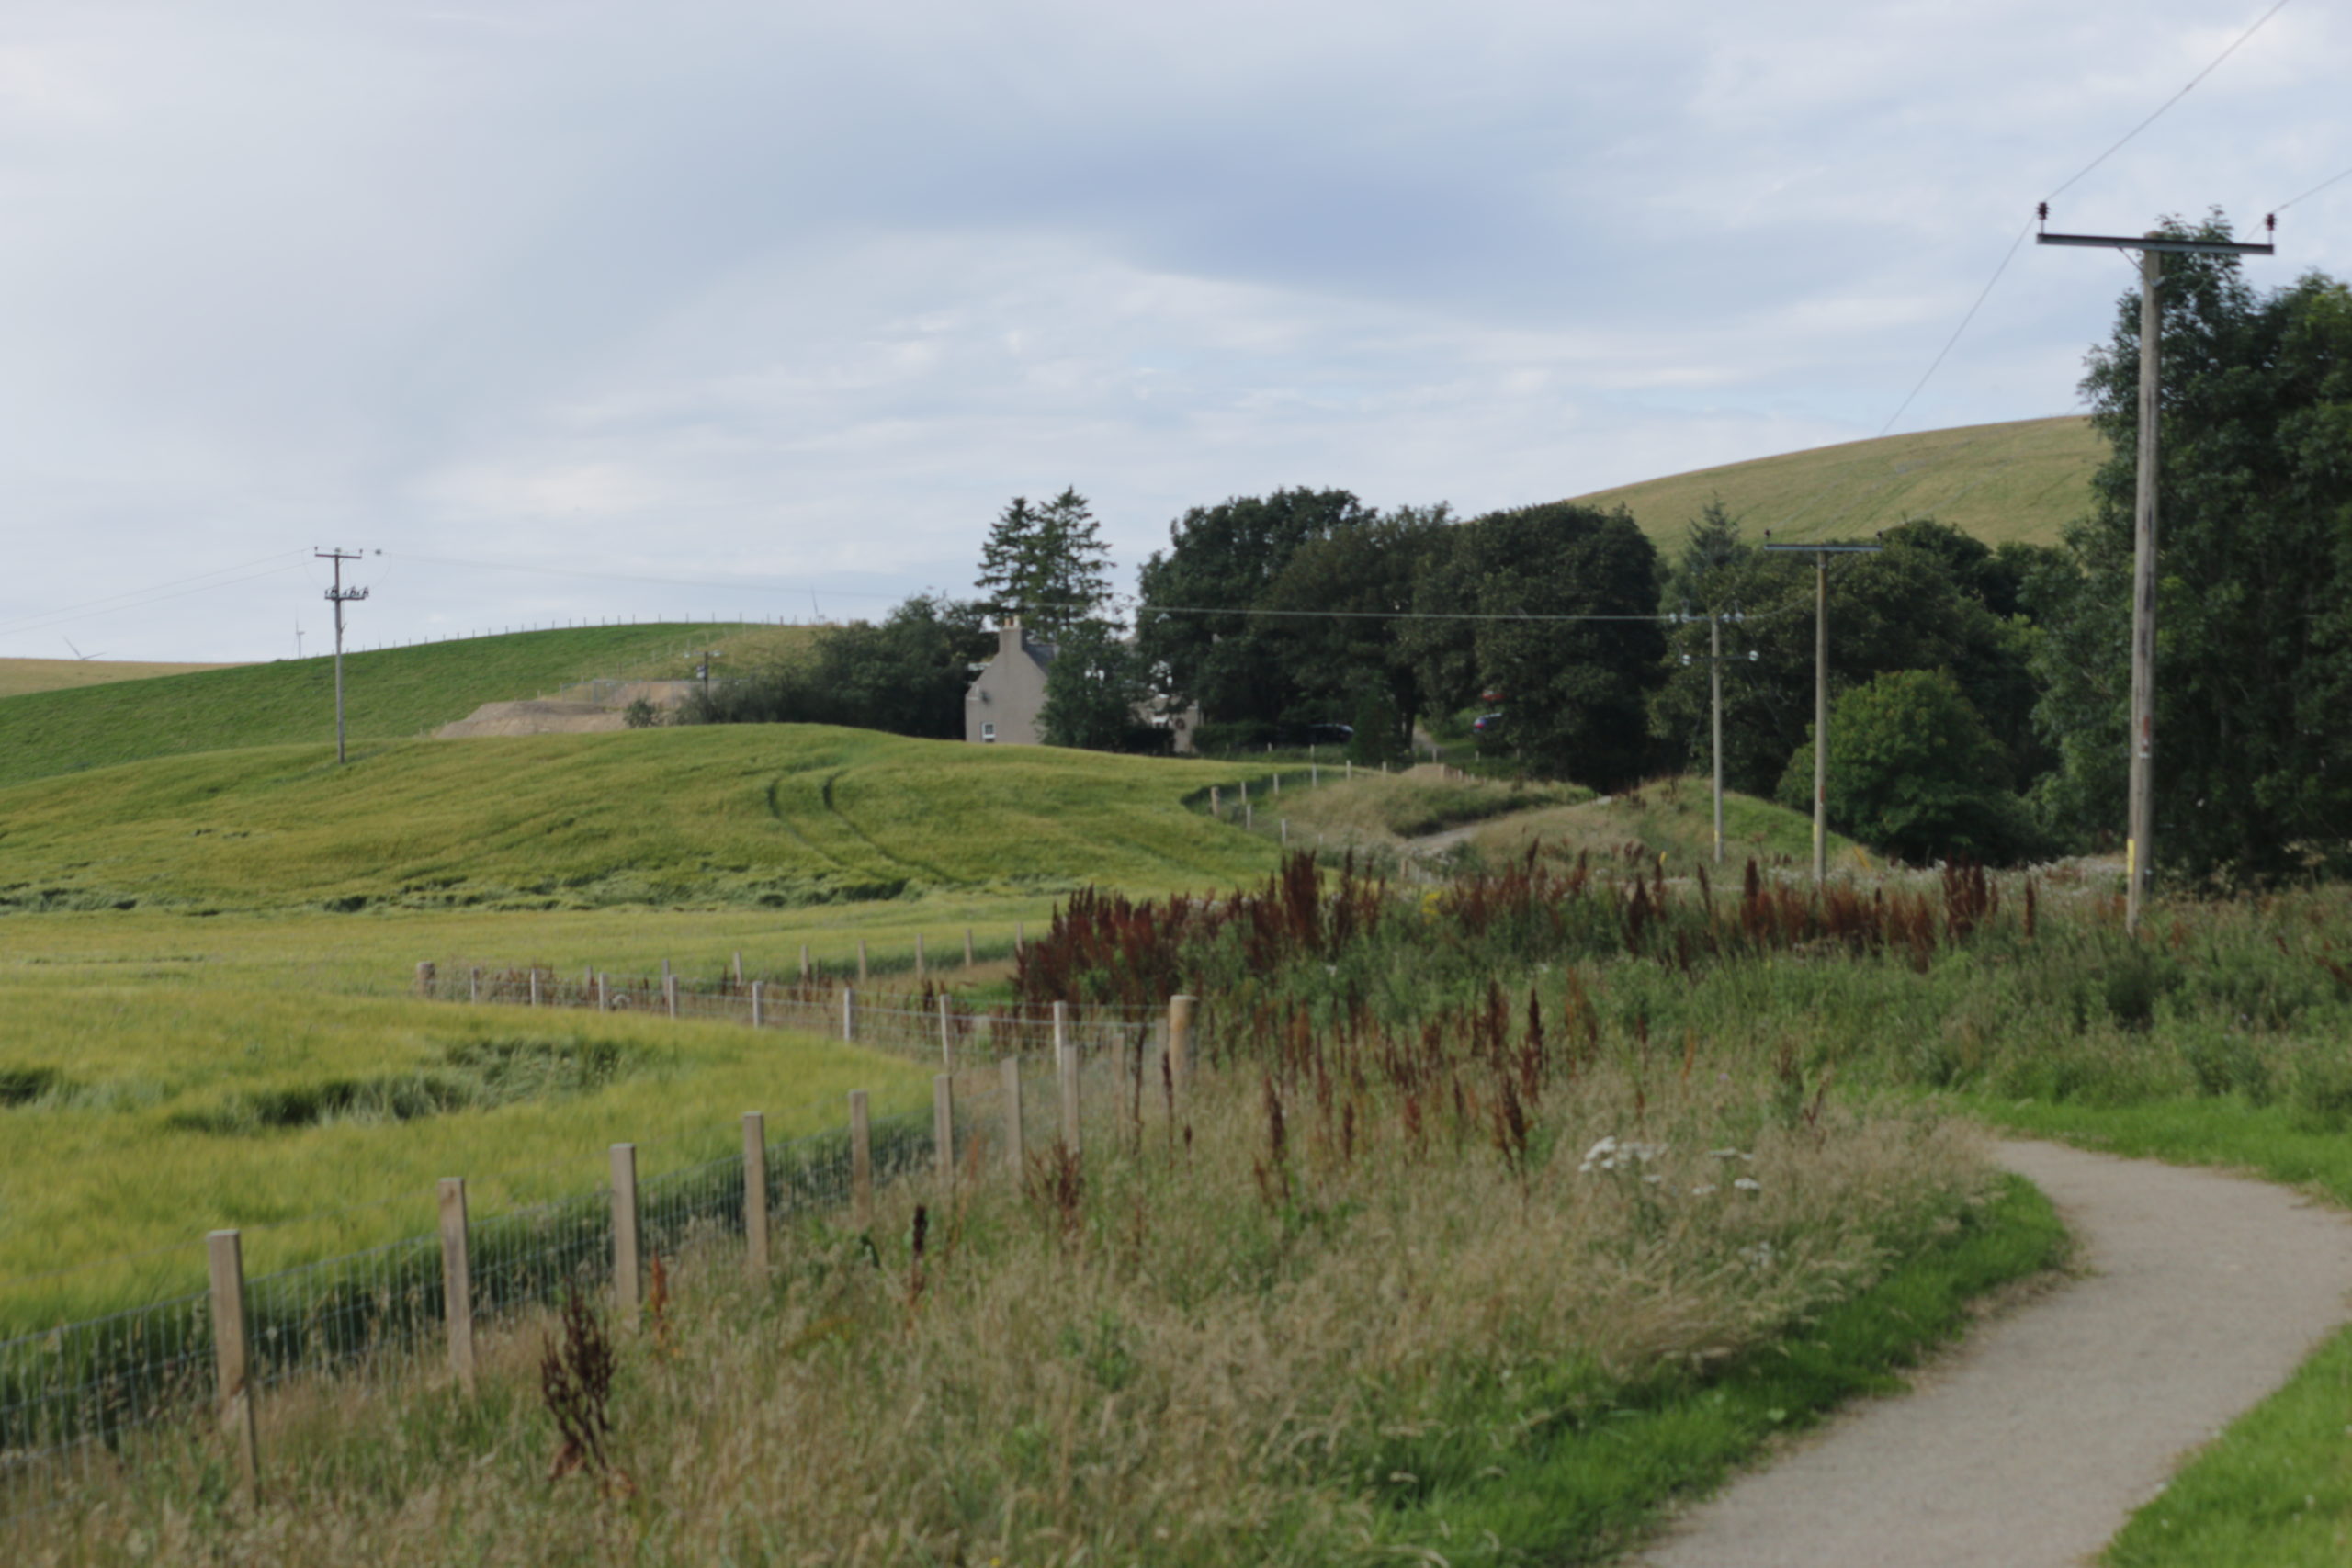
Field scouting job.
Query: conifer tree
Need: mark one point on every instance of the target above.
(1047, 565)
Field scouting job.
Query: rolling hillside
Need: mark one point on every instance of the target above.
(747, 815)
(2020, 481)
(388, 693)
(19, 676)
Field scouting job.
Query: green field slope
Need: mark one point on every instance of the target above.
(759, 815)
(390, 692)
(19, 676)
(1669, 819)
(2022, 481)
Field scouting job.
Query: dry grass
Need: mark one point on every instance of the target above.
(1262, 1336)
(19, 676)
(2024, 479)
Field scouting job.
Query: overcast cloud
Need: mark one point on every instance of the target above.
(793, 299)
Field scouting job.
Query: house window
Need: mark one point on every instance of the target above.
(987, 734)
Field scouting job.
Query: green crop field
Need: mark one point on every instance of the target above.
(773, 815)
(2023, 481)
(282, 904)
(387, 692)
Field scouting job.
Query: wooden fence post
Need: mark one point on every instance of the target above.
(1348, 768)
(946, 1034)
(1216, 802)
(861, 961)
(968, 956)
(1314, 775)
(458, 1281)
(535, 985)
(756, 1002)
(1278, 784)
(1244, 787)
(473, 985)
(1286, 830)
(1180, 1042)
(849, 1012)
(424, 981)
(1066, 1066)
(604, 994)
(1020, 938)
(861, 1162)
(755, 1194)
(943, 1129)
(629, 1290)
(803, 964)
(739, 966)
(918, 966)
(670, 989)
(1249, 817)
(1009, 1075)
(231, 1358)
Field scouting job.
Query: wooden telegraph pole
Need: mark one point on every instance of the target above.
(339, 596)
(1821, 554)
(2139, 847)
(1715, 657)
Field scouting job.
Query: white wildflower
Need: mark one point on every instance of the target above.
(1749, 1184)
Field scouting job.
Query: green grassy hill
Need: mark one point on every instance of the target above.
(1672, 817)
(774, 815)
(2020, 481)
(390, 692)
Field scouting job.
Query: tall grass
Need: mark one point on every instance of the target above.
(1298, 1323)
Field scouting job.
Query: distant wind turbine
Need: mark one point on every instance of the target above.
(84, 657)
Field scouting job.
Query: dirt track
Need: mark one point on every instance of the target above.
(2030, 1445)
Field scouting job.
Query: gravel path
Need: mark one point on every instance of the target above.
(2030, 1445)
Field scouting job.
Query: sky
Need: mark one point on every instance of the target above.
(578, 311)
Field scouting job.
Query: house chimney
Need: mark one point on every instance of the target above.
(1008, 640)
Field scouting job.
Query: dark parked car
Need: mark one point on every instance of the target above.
(1486, 723)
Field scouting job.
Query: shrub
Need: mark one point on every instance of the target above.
(1913, 772)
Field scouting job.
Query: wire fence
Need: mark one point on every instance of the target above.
(86, 1400)
(927, 1023)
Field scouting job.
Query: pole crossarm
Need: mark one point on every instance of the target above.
(2162, 244)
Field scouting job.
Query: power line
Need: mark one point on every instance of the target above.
(1982, 295)
(2313, 191)
(2169, 103)
(132, 599)
(2010, 255)
(1137, 606)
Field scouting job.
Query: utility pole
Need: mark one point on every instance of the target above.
(1716, 620)
(339, 596)
(1821, 554)
(2139, 845)
(703, 669)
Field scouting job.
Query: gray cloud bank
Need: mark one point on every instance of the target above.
(790, 298)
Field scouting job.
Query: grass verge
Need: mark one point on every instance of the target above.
(1600, 1482)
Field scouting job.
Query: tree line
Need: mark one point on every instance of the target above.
(1979, 693)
